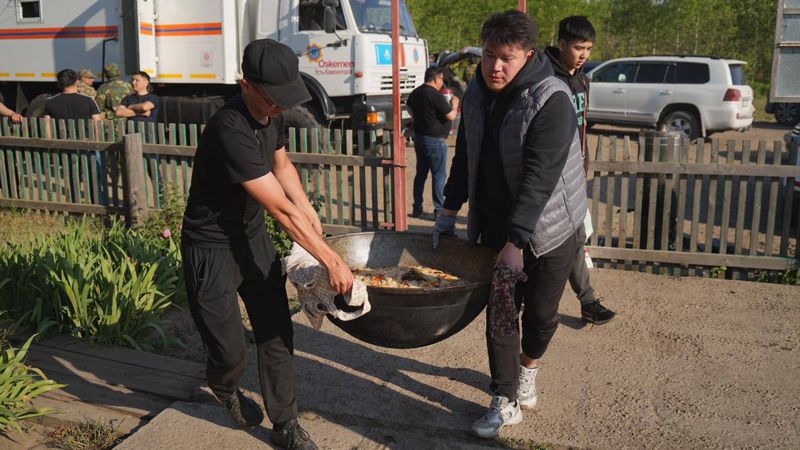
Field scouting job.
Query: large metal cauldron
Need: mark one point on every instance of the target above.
(410, 318)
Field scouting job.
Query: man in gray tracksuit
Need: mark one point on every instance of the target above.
(518, 162)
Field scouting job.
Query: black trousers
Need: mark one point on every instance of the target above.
(213, 278)
(538, 297)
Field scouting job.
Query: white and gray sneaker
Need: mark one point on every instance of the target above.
(526, 392)
(501, 413)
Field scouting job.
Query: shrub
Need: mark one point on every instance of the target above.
(110, 286)
(19, 384)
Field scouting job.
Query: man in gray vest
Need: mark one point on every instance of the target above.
(518, 162)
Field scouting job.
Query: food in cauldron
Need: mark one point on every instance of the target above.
(414, 277)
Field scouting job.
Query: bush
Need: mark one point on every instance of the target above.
(19, 384)
(110, 286)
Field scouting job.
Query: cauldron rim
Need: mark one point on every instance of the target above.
(417, 291)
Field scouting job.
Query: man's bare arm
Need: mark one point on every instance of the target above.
(267, 191)
(124, 111)
(141, 108)
(287, 176)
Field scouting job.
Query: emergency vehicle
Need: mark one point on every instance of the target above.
(192, 51)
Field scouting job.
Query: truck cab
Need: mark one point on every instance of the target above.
(345, 55)
(192, 50)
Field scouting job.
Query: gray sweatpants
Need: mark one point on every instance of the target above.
(579, 276)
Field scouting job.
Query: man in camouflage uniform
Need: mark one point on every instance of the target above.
(85, 82)
(111, 93)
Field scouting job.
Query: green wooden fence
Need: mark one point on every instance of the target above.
(76, 166)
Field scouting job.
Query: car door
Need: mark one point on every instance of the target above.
(649, 93)
(608, 90)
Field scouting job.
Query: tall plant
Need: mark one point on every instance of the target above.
(111, 286)
(19, 384)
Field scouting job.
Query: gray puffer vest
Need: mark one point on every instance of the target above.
(565, 210)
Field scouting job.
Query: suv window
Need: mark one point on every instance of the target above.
(737, 74)
(651, 72)
(621, 72)
(688, 73)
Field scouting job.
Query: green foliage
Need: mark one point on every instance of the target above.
(283, 244)
(19, 384)
(719, 272)
(110, 286)
(741, 29)
(167, 221)
(89, 435)
(790, 277)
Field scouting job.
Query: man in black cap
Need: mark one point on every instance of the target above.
(240, 170)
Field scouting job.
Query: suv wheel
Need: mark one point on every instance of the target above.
(682, 122)
(787, 113)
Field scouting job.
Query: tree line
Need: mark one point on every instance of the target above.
(738, 29)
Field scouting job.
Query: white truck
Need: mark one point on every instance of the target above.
(785, 82)
(784, 94)
(192, 51)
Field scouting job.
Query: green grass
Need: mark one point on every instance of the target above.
(760, 102)
(19, 226)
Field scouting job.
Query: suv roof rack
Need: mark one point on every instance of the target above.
(682, 56)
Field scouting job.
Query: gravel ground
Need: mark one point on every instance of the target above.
(688, 363)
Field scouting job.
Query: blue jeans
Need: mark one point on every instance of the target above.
(431, 156)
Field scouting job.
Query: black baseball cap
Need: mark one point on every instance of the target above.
(274, 66)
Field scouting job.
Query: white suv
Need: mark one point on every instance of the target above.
(695, 95)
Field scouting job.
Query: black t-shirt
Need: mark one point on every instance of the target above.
(71, 106)
(234, 148)
(430, 109)
(135, 99)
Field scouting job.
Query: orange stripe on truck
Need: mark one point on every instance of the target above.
(58, 33)
(189, 29)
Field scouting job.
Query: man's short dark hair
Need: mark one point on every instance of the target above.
(431, 73)
(66, 78)
(146, 76)
(512, 28)
(576, 28)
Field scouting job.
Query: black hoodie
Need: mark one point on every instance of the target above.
(547, 143)
(579, 85)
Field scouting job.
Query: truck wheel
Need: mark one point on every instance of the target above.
(682, 122)
(299, 117)
(787, 113)
(36, 106)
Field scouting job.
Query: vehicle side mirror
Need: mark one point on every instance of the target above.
(329, 19)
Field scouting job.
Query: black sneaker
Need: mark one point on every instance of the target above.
(417, 214)
(596, 313)
(291, 436)
(244, 411)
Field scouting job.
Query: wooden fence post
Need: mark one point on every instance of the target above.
(133, 180)
(660, 146)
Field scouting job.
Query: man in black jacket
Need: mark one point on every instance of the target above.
(576, 37)
(518, 163)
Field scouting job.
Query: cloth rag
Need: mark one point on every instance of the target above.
(503, 312)
(316, 296)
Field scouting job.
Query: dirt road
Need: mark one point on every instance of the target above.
(689, 363)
